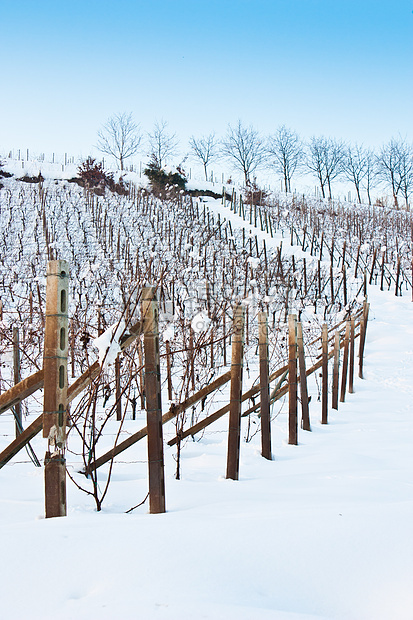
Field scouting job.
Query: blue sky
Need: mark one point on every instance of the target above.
(340, 68)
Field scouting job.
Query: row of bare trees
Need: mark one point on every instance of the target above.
(285, 152)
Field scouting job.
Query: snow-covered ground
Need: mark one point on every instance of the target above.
(322, 531)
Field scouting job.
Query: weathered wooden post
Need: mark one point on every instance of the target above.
(55, 386)
(336, 363)
(292, 380)
(236, 393)
(351, 362)
(305, 413)
(264, 386)
(324, 374)
(149, 316)
(363, 329)
(16, 378)
(345, 363)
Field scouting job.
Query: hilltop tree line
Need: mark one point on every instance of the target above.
(285, 152)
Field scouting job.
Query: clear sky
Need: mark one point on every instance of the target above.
(340, 68)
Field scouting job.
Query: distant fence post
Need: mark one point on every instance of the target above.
(324, 375)
(292, 380)
(55, 386)
(264, 386)
(236, 393)
(149, 317)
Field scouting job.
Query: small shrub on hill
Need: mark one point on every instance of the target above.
(255, 195)
(93, 176)
(163, 183)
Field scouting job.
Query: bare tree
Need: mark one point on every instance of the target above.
(245, 147)
(355, 167)
(325, 159)
(204, 149)
(406, 170)
(286, 153)
(395, 166)
(120, 137)
(371, 171)
(162, 144)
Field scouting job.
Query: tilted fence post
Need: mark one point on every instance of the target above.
(55, 386)
(149, 316)
(236, 393)
(292, 380)
(264, 386)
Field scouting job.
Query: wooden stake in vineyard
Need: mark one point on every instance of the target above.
(363, 329)
(351, 362)
(324, 387)
(292, 380)
(149, 313)
(345, 363)
(55, 386)
(264, 386)
(336, 363)
(236, 394)
(305, 420)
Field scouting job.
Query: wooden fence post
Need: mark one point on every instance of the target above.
(55, 386)
(351, 364)
(236, 393)
(305, 414)
(264, 386)
(345, 363)
(363, 329)
(149, 316)
(324, 375)
(292, 380)
(16, 378)
(336, 363)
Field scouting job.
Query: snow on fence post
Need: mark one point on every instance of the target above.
(336, 363)
(55, 386)
(292, 380)
(149, 316)
(16, 378)
(345, 363)
(264, 386)
(324, 375)
(305, 414)
(234, 431)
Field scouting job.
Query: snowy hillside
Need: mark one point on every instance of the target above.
(323, 531)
